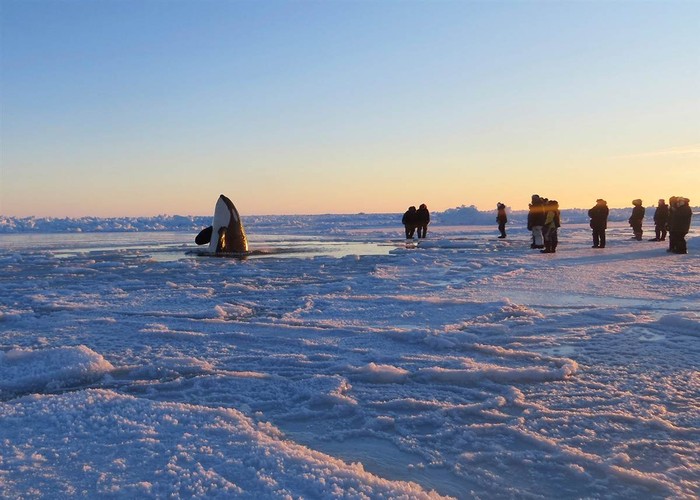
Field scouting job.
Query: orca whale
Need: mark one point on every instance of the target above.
(226, 234)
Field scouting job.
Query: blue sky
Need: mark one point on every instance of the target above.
(120, 107)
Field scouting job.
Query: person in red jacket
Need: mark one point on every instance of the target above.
(501, 218)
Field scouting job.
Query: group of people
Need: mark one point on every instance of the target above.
(672, 219)
(544, 220)
(416, 219)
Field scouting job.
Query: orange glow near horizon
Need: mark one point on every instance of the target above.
(377, 188)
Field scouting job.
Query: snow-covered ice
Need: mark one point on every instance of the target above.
(342, 362)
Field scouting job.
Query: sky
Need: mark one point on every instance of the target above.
(130, 108)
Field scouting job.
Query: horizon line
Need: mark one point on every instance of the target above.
(289, 215)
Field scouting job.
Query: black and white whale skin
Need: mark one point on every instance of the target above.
(226, 234)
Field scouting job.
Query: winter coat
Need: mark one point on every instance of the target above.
(680, 222)
(552, 217)
(502, 218)
(410, 218)
(637, 215)
(536, 216)
(422, 217)
(661, 215)
(599, 216)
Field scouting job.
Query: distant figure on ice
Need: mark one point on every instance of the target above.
(660, 221)
(423, 219)
(636, 219)
(535, 221)
(551, 226)
(410, 221)
(679, 225)
(672, 207)
(501, 218)
(226, 234)
(599, 222)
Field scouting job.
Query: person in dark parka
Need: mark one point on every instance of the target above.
(660, 221)
(599, 222)
(410, 221)
(501, 218)
(672, 206)
(551, 226)
(636, 219)
(535, 220)
(423, 219)
(680, 225)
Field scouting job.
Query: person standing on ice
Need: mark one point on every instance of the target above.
(660, 221)
(535, 221)
(599, 222)
(672, 206)
(636, 219)
(680, 225)
(551, 226)
(423, 219)
(501, 218)
(410, 221)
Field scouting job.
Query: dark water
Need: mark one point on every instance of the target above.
(169, 246)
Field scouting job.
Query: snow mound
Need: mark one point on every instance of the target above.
(380, 374)
(27, 370)
(138, 447)
(545, 369)
(683, 323)
(500, 374)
